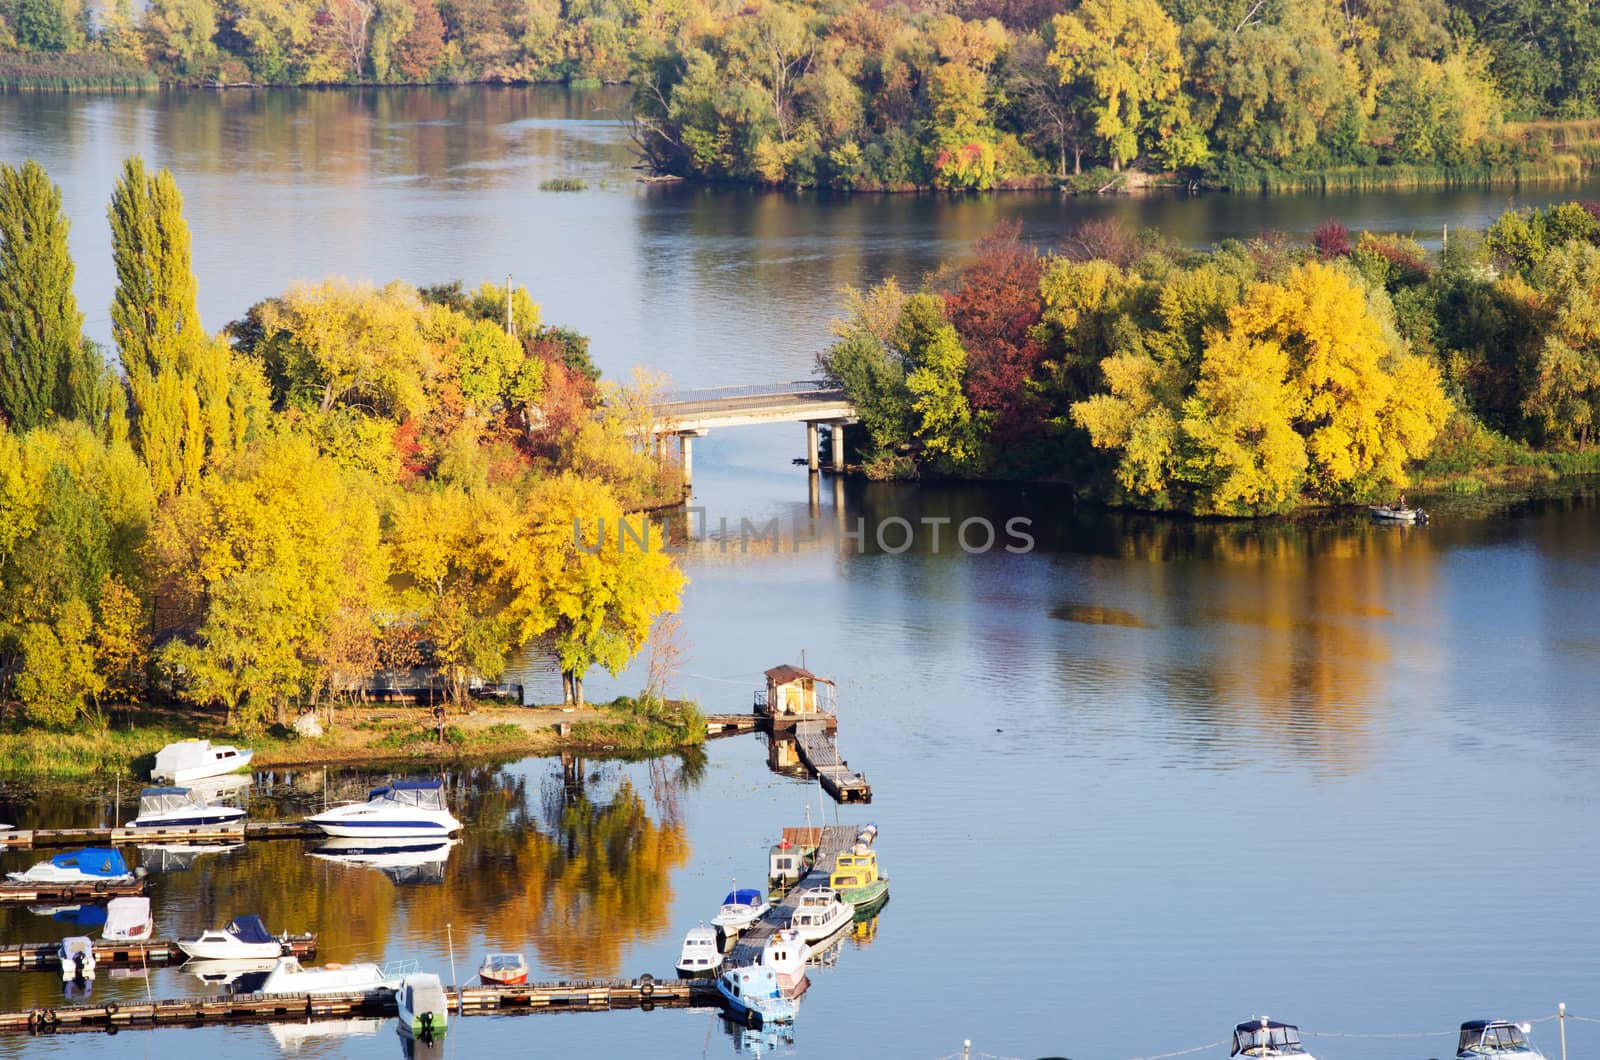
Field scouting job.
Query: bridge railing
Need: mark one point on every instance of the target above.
(701, 395)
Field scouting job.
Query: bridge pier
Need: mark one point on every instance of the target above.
(811, 445)
(836, 444)
(686, 458)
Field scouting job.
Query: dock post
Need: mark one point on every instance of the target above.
(811, 445)
(686, 451)
(836, 443)
(1561, 1011)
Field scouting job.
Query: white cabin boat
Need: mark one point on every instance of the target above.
(424, 1011)
(245, 938)
(700, 956)
(89, 865)
(785, 953)
(820, 912)
(741, 907)
(180, 808)
(402, 808)
(504, 969)
(127, 920)
(1481, 1039)
(1268, 1038)
(191, 760)
(753, 994)
(288, 977)
(76, 955)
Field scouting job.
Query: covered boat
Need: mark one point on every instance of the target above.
(89, 865)
(700, 956)
(245, 937)
(504, 969)
(77, 958)
(741, 907)
(288, 977)
(1269, 1038)
(127, 919)
(1495, 1038)
(191, 760)
(180, 808)
(753, 994)
(821, 912)
(424, 1011)
(1394, 513)
(402, 808)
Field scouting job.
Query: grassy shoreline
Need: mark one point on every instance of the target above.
(363, 735)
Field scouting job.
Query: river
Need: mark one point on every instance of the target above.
(1135, 783)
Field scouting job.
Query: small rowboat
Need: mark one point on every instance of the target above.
(1389, 513)
(505, 969)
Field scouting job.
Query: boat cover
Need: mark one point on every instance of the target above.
(125, 916)
(743, 896)
(96, 861)
(249, 928)
(147, 792)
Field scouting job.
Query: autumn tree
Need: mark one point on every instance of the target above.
(41, 338)
(1564, 398)
(1124, 55)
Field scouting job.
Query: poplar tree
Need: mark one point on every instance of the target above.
(40, 326)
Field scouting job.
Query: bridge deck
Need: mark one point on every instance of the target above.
(699, 410)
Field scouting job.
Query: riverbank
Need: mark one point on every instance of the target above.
(362, 734)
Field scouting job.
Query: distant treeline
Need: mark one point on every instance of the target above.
(1248, 380)
(1270, 94)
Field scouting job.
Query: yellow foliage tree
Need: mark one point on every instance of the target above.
(1125, 55)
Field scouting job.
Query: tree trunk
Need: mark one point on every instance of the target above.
(577, 689)
(1061, 163)
(566, 688)
(1077, 159)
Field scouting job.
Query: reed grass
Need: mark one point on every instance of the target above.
(72, 72)
(1558, 168)
(564, 184)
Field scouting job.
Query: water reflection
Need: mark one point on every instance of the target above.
(403, 862)
(321, 1037)
(180, 857)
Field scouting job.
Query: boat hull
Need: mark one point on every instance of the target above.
(188, 820)
(866, 894)
(229, 951)
(206, 770)
(352, 828)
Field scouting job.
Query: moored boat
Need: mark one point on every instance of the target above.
(1268, 1038)
(191, 760)
(1392, 513)
(424, 1011)
(245, 937)
(127, 919)
(288, 977)
(787, 862)
(753, 994)
(504, 969)
(741, 907)
(856, 877)
(76, 955)
(401, 808)
(700, 955)
(181, 808)
(820, 913)
(1500, 1039)
(89, 865)
(785, 953)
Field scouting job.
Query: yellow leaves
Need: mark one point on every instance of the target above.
(1126, 53)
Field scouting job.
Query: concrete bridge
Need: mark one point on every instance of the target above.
(691, 414)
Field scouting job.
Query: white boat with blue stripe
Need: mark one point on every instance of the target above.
(400, 808)
(180, 808)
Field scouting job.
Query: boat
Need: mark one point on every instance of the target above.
(245, 938)
(239, 975)
(422, 1006)
(1495, 1038)
(401, 808)
(753, 994)
(1268, 1038)
(288, 977)
(855, 876)
(77, 958)
(785, 953)
(820, 913)
(1393, 513)
(127, 920)
(190, 760)
(786, 863)
(700, 955)
(504, 969)
(420, 859)
(89, 865)
(740, 909)
(180, 808)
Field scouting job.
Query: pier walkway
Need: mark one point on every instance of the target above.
(835, 840)
(30, 838)
(821, 754)
(123, 953)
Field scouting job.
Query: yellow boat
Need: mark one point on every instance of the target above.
(855, 876)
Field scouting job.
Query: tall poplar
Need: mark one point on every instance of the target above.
(40, 326)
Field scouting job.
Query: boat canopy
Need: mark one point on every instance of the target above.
(1491, 1035)
(160, 800)
(249, 928)
(1264, 1033)
(743, 896)
(425, 994)
(96, 861)
(126, 917)
(426, 794)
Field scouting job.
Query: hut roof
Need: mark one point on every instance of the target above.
(782, 675)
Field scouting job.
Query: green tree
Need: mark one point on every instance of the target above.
(45, 25)
(40, 326)
(1124, 55)
(1564, 395)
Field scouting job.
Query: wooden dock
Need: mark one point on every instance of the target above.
(835, 840)
(27, 839)
(12, 893)
(596, 995)
(32, 956)
(821, 754)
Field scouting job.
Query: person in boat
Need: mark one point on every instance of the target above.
(1401, 506)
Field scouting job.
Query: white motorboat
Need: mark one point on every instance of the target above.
(288, 977)
(1263, 1037)
(191, 760)
(1394, 513)
(181, 808)
(821, 911)
(402, 808)
(700, 955)
(785, 953)
(245, 938)
(1481, 1039)
(504, 969)
(753, 994)
(127, 920)
(741, 907)
(90, 865)
(423, 1009)
(76, 955)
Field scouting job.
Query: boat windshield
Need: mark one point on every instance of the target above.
(165, 800)
(423, 794)
(1254, 1039)
(1495, 1038)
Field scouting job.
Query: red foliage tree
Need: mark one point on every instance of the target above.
(993, 301)
(1331, 239)
(419, 51)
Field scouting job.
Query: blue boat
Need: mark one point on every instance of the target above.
(754, 995)
(89, 865)
(741, 907)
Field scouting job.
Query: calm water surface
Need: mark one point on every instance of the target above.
(1140, 783)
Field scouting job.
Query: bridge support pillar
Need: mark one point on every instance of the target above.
(836, 444)
(811, 445)
(686, 453)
